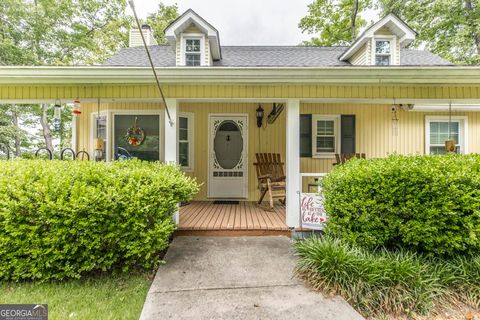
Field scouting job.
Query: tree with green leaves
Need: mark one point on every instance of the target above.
(161, 19)
(449, 28)
(337, 22)
(57, 32)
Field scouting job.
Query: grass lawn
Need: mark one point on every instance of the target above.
(102, 297)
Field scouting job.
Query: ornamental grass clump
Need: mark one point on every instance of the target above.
(380, 282)
(63, 219)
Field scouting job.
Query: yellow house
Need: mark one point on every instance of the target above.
(224, 104)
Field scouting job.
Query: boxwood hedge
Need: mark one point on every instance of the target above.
(62, 219)
(429, 204)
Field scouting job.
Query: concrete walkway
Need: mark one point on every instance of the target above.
(235, 278)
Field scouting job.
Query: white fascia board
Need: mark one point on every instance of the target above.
(403, 31)
(187, 75)
(445, 107)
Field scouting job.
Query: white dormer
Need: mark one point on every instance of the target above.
(380, 44)
(197, 42)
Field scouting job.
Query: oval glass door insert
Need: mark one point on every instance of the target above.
(228, 144)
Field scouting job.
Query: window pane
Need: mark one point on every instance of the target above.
(183, 122)
(326, 144)
(439, 132)
(325, 127)
(382, 60)
(192, 59)
(382, 47)
(193, 45)
(183, 134)
(441, 150)
(183, 154)
(149, 149)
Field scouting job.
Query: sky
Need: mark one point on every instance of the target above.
(246, 22)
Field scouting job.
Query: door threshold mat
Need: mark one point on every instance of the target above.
(226, 202)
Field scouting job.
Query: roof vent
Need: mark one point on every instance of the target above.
(135, 39)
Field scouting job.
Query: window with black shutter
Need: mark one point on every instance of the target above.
(323, 135)
(306, 135)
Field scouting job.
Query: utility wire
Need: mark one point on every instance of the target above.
(132, 5)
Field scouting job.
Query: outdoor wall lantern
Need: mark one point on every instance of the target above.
(260, 114)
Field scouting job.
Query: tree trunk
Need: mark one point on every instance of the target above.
(47, 133)
(18, 152)
(475, 35)
(354, 19)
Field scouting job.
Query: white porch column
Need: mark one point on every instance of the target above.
(293, 162)
(170, 139)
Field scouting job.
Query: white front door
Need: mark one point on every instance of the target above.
(228, 156)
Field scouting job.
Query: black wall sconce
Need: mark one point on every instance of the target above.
(260, 114)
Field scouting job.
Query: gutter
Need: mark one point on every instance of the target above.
(87, 75)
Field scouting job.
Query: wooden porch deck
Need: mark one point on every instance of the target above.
(243, 219)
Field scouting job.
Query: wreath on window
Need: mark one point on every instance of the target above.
(135, 135)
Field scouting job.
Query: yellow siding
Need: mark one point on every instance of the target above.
(383, 31)
(271, 138)
(192, 29)
(178, 52)
(266, 91)
(360, 57)
(207, 52)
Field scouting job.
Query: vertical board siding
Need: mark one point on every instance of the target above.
(125, 91)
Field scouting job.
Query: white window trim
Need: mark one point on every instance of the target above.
(463, 137)
(183, 51)
(393, 48)
(325, 155)
(110, 127)
(191, 143)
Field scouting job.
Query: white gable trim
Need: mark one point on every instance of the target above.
(395, 24)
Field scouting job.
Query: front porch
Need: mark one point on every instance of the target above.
(243, 219)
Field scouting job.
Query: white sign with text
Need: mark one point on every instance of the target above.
(312, 211)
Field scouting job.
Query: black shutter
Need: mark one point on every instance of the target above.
(306, 135)
(347, 129)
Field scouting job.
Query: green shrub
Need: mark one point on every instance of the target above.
(383, 282)
(429, 204)
(62, 219)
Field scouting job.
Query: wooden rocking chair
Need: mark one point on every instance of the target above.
(271, 177)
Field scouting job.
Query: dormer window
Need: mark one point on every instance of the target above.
(192, 52)
(383, 53)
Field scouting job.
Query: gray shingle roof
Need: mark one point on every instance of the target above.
(265, 56)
